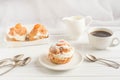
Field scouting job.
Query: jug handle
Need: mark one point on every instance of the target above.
(88, 20)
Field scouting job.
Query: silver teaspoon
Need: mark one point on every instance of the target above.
(18, 63)
(107, 62)
(10, 61)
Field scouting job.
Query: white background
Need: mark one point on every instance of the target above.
(50, 12)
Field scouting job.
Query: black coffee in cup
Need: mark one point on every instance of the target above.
(101, 33)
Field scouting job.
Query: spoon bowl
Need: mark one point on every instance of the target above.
(91, 58)
(18, 57)
(26, 60)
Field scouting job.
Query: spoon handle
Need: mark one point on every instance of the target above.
(110, 63)
(7, 70)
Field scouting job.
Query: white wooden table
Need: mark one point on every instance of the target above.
(87, 70)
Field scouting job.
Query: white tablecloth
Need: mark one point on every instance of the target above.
(86, 71)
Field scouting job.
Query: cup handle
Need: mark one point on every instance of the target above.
(115, 44)
(88, 20)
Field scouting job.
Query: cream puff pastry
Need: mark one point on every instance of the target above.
(38, 32)
(61, 52)
(17, 33)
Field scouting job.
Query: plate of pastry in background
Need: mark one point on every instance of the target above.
(20, 35)
(61, 56)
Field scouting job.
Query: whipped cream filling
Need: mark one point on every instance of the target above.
(57, 47)
(64, 55)
(39, 34)
(17, 37)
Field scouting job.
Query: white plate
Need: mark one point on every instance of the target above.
(24, 43)
(75, 62)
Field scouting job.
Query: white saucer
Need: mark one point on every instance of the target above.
(75, 62)
(26, 43)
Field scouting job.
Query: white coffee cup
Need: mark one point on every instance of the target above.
(102, 42)
(76, 25)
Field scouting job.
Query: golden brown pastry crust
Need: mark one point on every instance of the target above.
(57, 60)
(18, 29)
(38, 28)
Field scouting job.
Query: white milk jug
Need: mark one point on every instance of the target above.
(76, 25)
